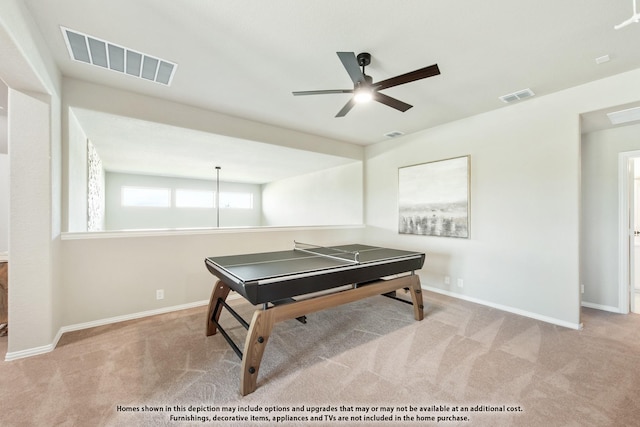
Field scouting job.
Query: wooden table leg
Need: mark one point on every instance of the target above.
(257, 337)
(220, 290)
(416, 297)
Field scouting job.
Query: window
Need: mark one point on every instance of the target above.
(194, 198)
(146, 197)
(236, 200)
(184, 198)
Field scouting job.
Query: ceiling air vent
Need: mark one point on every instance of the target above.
(92, 50)
(394, 134)
(516, 96)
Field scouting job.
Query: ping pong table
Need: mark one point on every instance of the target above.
(319, 277)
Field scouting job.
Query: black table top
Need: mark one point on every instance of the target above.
(269, 276)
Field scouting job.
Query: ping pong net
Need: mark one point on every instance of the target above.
(328, 252)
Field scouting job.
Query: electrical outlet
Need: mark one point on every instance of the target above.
(447, 280)
(160, 294)
(582, 288)
(460, 283)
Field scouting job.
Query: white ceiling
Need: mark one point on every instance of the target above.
(244, 58)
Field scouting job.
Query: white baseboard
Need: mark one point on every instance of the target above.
(508, 309)
(124, 318)
(14, 355)
(101, 322)
(601, 307)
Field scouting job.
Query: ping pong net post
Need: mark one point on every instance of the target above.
(327, 251)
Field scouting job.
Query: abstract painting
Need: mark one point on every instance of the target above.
(433, 198)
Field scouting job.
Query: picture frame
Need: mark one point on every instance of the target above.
(434, 198)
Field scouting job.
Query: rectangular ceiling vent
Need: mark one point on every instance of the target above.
(624, 116)
(92, 50)
(393, 134)
(517, 96)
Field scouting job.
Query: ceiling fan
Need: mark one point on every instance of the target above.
(363, 87)
(635, 18)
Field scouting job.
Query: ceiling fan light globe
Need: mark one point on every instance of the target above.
(363, 95)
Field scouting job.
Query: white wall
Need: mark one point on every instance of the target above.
(119, 275)
(4, 140)
(120, 217)
(523, 254)
(34, 208)
(4, 173)
(82, 94)
(4, 202)
(599, 229)
(30, 220)
(328, 197)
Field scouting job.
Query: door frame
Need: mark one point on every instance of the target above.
(625, 233)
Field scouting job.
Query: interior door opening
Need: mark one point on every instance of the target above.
(4, 209)
(634, 245)
(629, 232)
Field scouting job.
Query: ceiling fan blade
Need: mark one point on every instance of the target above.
(347, 107)
(321, 92)
(351, 65)
(422, 73)
(391, 102)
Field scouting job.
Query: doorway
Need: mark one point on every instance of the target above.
(4, 209)
(4, 170)
(629, 231)
(634, 300)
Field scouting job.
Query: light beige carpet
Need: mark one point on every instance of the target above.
(369, 355)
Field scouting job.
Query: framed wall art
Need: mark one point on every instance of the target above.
(433, 198)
